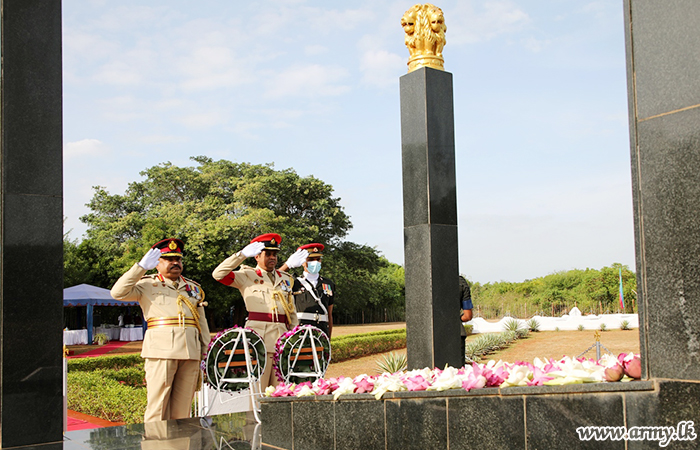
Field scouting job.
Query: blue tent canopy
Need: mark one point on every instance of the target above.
(91, 296)
(85, 294)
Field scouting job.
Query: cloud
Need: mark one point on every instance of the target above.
(83, 148)
(310, 81)
(211, 67)
(381, 68)
(494, 19)
(203, 120)
(312, 50)
(163, 139)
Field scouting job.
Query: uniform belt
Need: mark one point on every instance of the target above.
(171, 322)
(263, 317)
(312, 316)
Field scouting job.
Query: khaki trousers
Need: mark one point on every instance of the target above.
(269, 377)
(170, 386)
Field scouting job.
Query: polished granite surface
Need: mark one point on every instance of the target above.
(229, 431)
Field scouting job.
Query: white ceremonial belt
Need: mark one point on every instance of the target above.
(313, 316)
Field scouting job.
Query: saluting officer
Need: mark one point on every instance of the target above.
(177, 337)
(267, 292)
(313, 293)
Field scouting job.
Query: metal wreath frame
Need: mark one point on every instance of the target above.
(244, 342)
(309, 339)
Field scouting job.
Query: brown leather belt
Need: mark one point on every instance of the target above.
(263, 317)
(175, 321)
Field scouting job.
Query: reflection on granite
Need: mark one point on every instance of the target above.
(228, 431)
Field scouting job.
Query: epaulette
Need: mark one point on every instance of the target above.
(151, 276)
(191, 281)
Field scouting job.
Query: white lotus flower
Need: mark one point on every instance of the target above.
(305, 391)
(346, 386)
(387, 383)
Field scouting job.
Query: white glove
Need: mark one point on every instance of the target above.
(297, 259)
(252, 249)
(150, 259)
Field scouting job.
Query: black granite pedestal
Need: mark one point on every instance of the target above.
(31, 224)
(430, 219)
(664, 111)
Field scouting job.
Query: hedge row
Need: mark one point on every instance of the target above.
(371, 333)
(366, 344)
(97, 395)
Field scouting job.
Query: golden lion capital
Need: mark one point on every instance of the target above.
(425, 36)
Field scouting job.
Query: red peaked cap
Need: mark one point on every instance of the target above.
(313, 249)
(170, 247)
(271, 240)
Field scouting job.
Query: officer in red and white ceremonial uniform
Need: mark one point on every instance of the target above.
(177, 337)
(267, 292)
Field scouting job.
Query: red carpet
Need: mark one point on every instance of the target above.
(79, 421)
(108, 347)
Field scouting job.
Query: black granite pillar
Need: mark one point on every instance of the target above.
(31, 224)
(662, 41)
(430, 219)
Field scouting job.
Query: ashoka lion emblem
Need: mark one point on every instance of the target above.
(425, 36)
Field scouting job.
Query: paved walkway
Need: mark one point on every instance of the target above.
(80, 421)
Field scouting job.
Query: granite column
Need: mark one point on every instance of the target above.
(430, 219)
(31, 224)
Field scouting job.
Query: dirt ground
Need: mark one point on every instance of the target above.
(543, 344)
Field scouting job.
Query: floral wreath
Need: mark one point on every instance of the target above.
(302, 354)
(226, 359)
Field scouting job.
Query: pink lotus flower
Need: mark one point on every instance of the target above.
(538, 377)
(475, 378)
(632, 364)
(322, 387)
(416, 383)
(283, 390)
(495, 378)
(364, 384)
(299, 386)
(614, 372)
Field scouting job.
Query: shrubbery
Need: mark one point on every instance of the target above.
(104, 362)
(356, 345)
(99, 395)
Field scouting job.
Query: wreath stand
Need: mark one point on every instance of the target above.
(236, 349)
(307, 347)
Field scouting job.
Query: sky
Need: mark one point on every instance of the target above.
(540, 104)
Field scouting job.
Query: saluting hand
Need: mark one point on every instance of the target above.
(150, 259)
(252, 249)
(297, 259)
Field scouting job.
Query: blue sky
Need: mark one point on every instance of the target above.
(540, 98)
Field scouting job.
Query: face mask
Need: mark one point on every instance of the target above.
(314, 266)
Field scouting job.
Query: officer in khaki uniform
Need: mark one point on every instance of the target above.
(267, 292)
(178, 335)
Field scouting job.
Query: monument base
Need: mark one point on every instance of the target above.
(493, 418)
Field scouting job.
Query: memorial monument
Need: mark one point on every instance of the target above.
(664, 105)
(429, 195)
